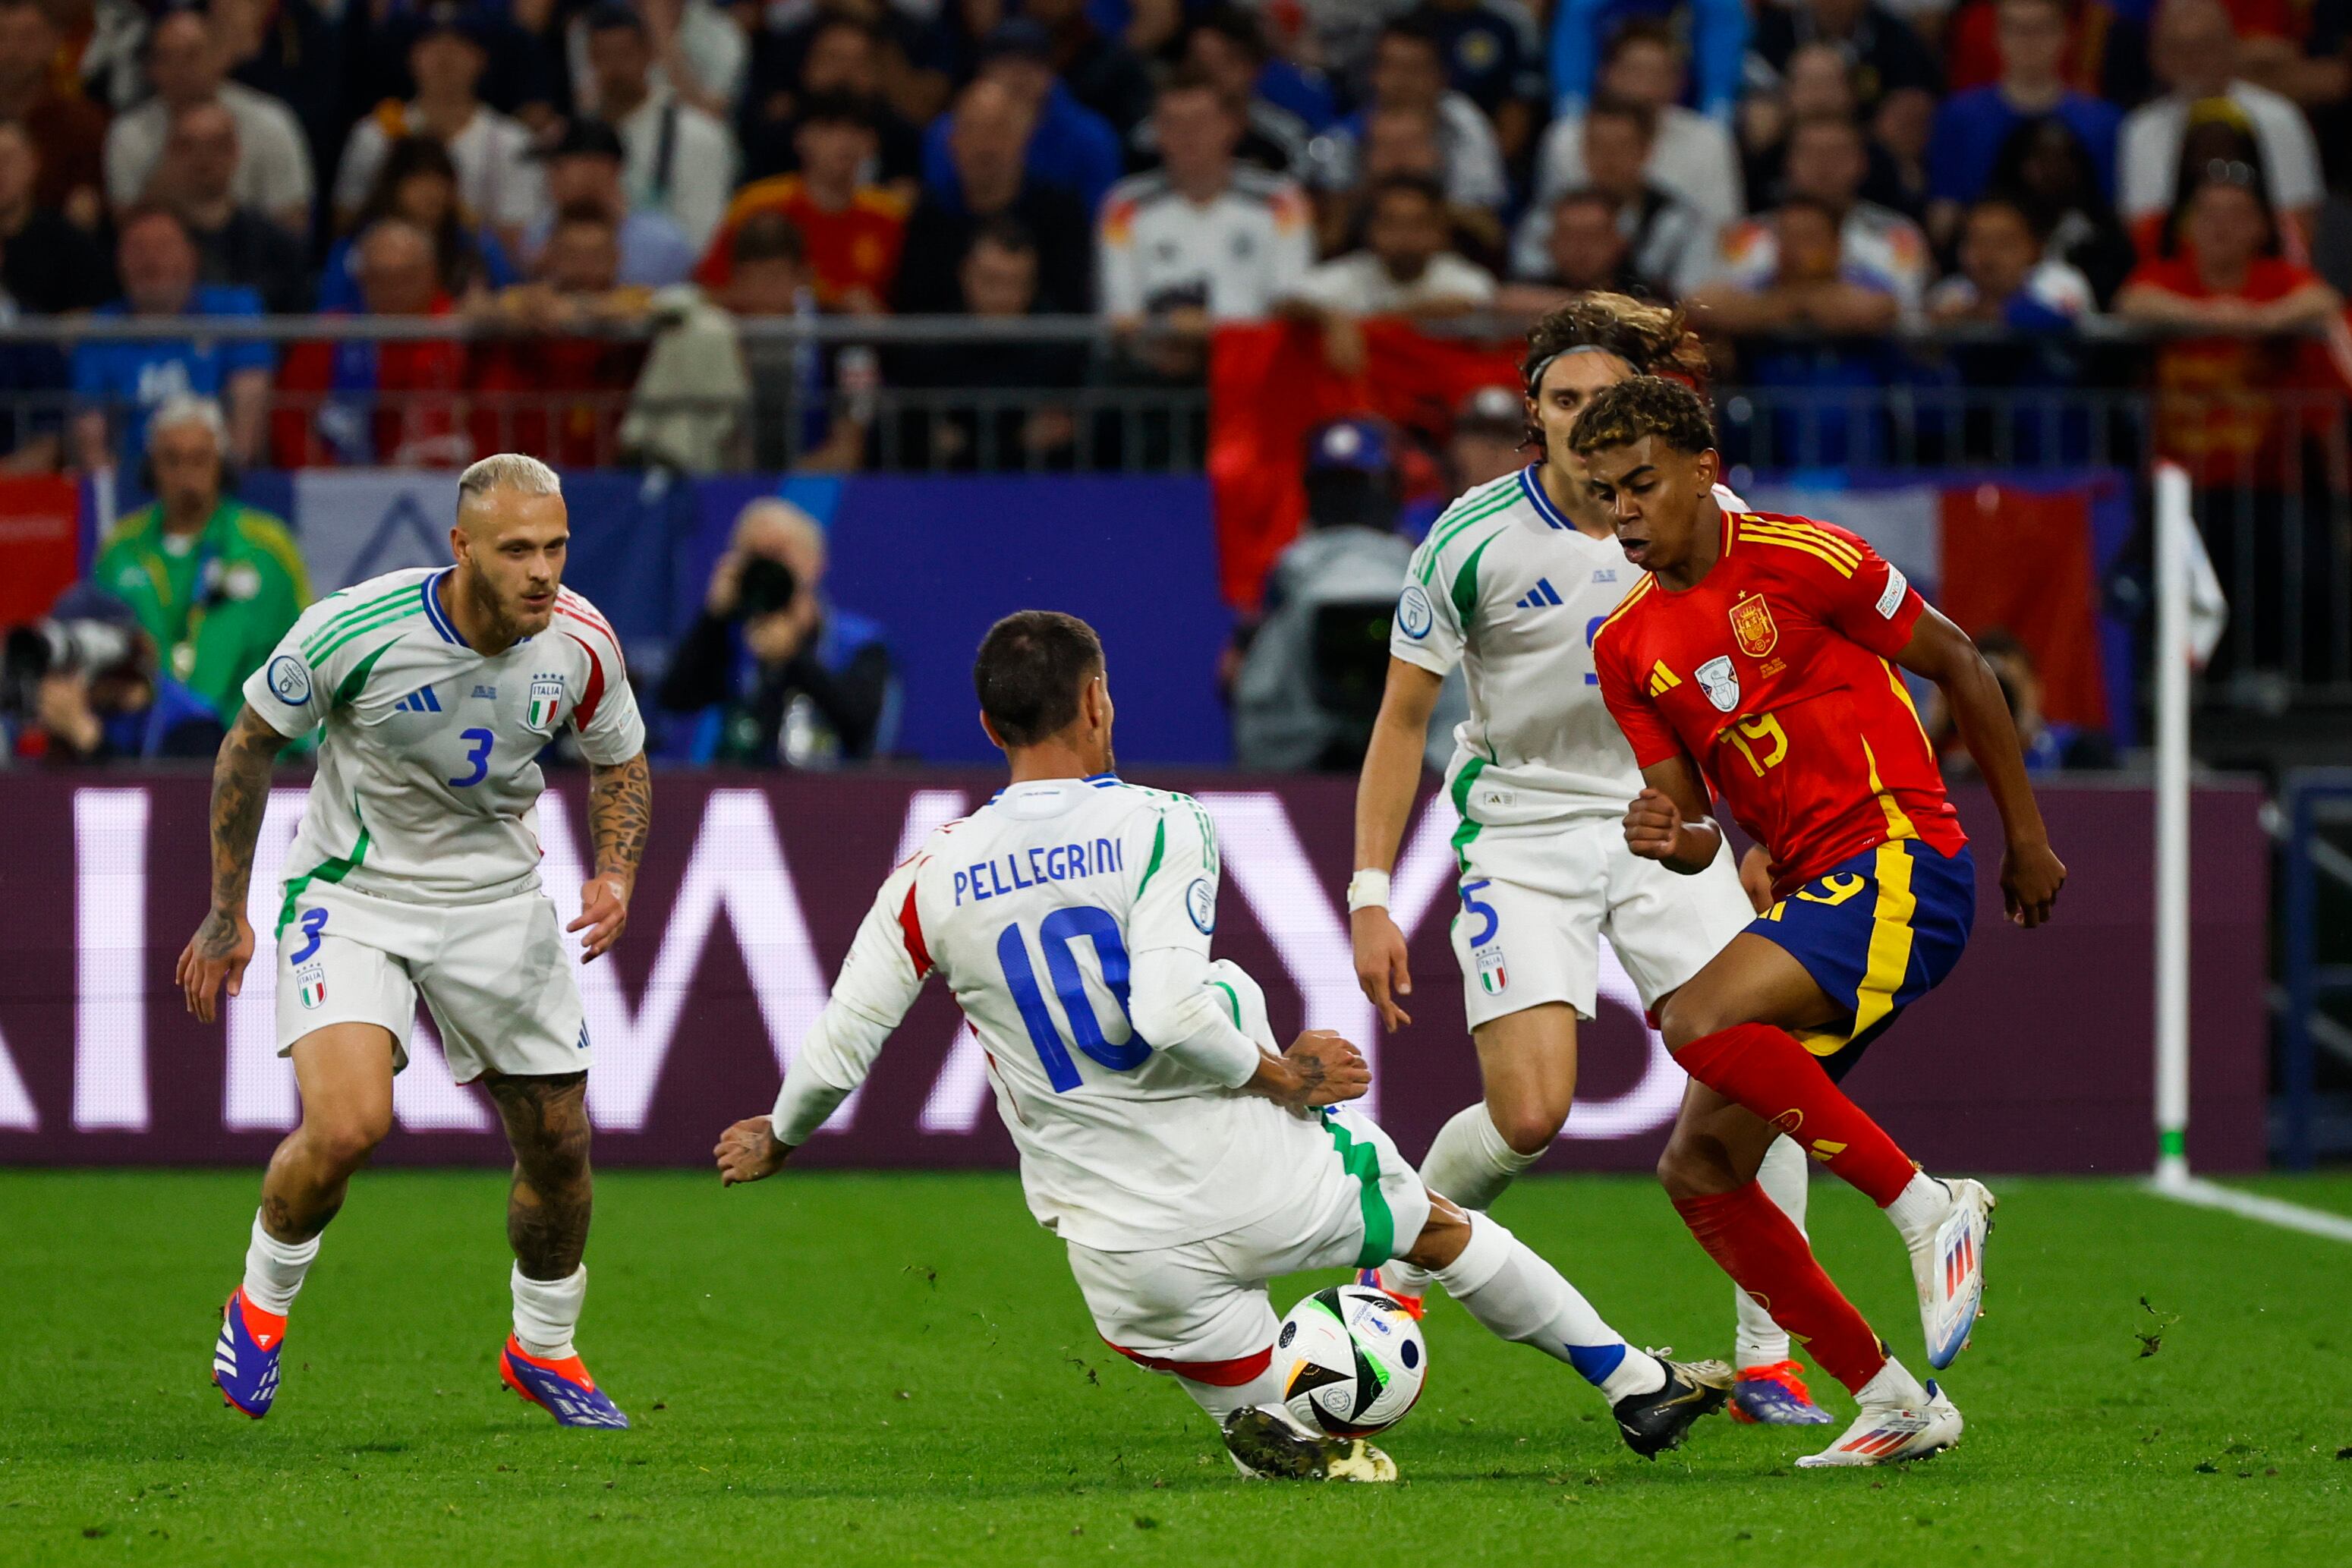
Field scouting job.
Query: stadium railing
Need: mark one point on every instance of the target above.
(2273, 464)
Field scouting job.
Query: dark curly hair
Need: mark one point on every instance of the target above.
(1622, 415)
(1652, 339)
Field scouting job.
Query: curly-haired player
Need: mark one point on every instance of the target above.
(1511, 583)
(1757, 659)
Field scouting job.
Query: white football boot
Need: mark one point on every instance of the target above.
(1947, 1266)
(1899, 1420)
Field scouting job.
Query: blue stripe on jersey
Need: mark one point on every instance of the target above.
(1540, 501)
(430, 590)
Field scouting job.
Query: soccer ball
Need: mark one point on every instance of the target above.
(1354, 1361)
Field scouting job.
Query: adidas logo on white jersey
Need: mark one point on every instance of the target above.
(1542, 596)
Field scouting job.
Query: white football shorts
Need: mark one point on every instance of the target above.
(498, 977)
(1537, 900)
(1200, 1309)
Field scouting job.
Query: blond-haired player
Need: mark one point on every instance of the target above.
(416, 872)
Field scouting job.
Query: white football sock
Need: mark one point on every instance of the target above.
(1469, 1163)
(546, 1311)
(1920, 1208)
(1760, 1341)
(274, 1268)
(1265, 1389)
(1519, 1297)
(1892, 1384)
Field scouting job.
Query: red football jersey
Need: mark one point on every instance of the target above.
(1775, 674)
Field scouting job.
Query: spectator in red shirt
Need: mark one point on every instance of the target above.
(855, 231)
(69, 134)
(560, 382)
(2216, 411)
(361, 403)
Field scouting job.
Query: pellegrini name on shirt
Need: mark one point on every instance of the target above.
(1002, 873)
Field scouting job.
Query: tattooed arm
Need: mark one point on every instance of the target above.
(1319, 1068)
(620, 812)
(222, 945)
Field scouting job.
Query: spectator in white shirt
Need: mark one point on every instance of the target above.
(185, 65)
(2004, 278)
(1202, 239)
(1827, 160)
(1691, 158)
(680, 160)
(497, 180)
(2195, 52)
(1407, 266)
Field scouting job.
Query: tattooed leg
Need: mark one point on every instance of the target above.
(345, 1071)
(547, 1212)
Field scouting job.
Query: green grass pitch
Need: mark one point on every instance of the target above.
(896, 1369)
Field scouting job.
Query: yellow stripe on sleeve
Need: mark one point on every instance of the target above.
(1836, 563)
(1806, 531)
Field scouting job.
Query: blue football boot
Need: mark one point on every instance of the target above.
(245, 1357)
(562, 1388)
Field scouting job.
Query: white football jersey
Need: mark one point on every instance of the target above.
(1506, 586)
(1037, 910)
(428, 782)
(1237, 258)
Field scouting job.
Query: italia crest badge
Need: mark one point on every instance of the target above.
(312, 980)
(1751, 624)
(546, 701)
(1721, 683)
(1493, 978)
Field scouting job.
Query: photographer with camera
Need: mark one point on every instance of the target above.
(777, 676)
(82, 687)
(213, 581)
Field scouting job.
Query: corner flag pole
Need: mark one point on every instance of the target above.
(2172, 547)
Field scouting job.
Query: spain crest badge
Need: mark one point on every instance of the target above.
(1751, 622)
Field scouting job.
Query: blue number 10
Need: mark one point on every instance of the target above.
(1057, 935)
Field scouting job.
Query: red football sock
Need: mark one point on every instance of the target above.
(1765, 1069)
(1765, 1256)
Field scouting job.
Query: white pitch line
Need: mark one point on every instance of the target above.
(2207, 1194)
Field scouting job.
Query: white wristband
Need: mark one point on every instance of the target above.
(1368, 889)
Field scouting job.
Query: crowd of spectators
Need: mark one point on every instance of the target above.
(535, 167)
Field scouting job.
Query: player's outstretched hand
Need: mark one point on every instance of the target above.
(748, 1152)
(2030, 876)
(217, 953)
(1653, 825)
(603, 915)
(1325, 1070)
(1380, 965)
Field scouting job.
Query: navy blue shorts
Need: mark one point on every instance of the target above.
(1876, 933)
